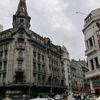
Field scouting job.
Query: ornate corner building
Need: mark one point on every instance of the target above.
(29, 63)
(91, 33)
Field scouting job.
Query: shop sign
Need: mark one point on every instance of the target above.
(13, 92)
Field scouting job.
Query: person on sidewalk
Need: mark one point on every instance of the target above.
(7, 98)
(57, 97)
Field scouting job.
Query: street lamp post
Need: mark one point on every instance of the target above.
(51, 73)
(51, 84)
(29, 92)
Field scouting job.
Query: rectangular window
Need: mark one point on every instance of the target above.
(43, 78)
(87, 44)
(20, 64)
(1, 54)
(92, 64)
(34, 54)
(0, 76)
(19, 78)
(96, 62)
(90, 42)
(34, 75)
(4, 76)
(0, 66)
(43, 68)
(39, 67)
(38, 57)
(5, 65)
(39, 78)
(6, 52)
(43, 58)
(93, 40)
(34, 66)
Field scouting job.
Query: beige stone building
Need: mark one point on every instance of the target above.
(77, 82)
(66, 60)
(91, 33)
(29, 63)
(74, 73)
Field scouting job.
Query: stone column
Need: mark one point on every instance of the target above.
(95, 67)
(91, 87)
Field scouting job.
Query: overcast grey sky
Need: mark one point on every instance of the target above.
(56, 19)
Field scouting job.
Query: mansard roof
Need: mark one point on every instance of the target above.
(45, 41)
(6, 35)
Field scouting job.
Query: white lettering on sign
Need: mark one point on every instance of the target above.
(13, 92)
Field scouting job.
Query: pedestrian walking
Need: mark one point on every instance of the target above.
(57, 97)
(87, 97)
(82, 97)
(7, 98)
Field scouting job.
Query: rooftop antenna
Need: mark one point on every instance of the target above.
(81, 13)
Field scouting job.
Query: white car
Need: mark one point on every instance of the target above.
(42, 99)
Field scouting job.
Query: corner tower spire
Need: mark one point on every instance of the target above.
(22, 9)
(21, 18)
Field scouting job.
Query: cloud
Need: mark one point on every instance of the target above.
(56, 19)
